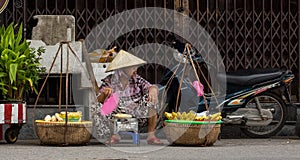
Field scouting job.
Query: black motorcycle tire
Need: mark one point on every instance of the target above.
(250, 131)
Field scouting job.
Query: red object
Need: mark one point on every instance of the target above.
(110, 104)
(7, 113)
(12, 113)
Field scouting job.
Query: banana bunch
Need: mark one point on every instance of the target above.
(214, 117)
(191, 116)
(181, 116)
(77, 114)
(59, 117)
(53, 118)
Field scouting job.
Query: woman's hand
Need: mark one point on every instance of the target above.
(153, 94)
(106, 92)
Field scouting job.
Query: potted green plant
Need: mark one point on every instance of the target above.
(19, 64)
(19, 74)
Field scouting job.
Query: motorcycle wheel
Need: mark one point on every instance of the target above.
(277, 106)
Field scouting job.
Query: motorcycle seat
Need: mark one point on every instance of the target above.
(249, 77)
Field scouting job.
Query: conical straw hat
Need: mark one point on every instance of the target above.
(124, 59)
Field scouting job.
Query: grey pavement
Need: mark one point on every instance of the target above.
(277, 148)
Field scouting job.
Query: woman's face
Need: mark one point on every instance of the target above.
(131, 71)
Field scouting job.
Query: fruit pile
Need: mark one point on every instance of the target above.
(60, 117)
(192, 116)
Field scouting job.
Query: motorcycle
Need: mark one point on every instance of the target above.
(255, 100)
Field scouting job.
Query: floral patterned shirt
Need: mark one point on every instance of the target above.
(134, 91)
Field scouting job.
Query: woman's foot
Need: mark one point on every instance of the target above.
(113, 140)
(154, 141)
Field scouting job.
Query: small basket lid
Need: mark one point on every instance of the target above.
(46, 122)
(193, 122)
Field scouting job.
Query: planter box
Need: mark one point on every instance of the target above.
(13, 113)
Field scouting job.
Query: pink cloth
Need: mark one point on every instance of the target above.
(110, 104)
(199, 88)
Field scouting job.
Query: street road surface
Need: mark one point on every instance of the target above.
(224, 149)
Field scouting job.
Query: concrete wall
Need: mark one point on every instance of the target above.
(75, 58)
(99, 71)
(54, 28)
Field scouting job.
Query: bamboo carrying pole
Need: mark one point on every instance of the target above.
(60, 50)
(89, 66)
(187, 54)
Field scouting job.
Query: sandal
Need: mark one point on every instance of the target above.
(154, 141)
(113, 140)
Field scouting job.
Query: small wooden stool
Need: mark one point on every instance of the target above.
(127, 126)
(135, 136)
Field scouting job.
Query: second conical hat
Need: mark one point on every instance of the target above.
(124, 59)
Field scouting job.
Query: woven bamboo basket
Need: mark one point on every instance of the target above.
(53, 133)
(192, 134)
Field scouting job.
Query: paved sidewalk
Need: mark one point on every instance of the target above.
(225, 149)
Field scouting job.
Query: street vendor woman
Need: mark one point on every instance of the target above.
(137, 97)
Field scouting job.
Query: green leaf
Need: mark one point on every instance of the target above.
(5, 54)
(11, 40)
(35, 90)
(21, 47)
(7, 35)
(19, 36)
(2, 74)
(30, 82)
(22, 56)
(13, 72)
(2, 84)
(21, 71)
